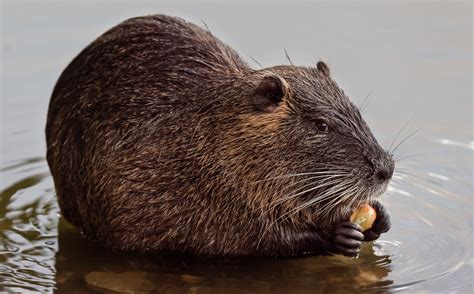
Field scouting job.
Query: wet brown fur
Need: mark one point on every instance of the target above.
(157, 142)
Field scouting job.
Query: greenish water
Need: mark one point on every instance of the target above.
(415, 59)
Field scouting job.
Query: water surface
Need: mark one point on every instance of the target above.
(414, 61)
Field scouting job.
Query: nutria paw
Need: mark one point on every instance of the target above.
(347, 239)
(381, 225)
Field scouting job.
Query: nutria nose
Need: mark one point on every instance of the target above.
(383, 168)
(384, 171)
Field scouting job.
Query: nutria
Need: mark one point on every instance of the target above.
(160, 138)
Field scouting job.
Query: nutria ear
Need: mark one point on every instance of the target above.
(323, 68)
(269, 93)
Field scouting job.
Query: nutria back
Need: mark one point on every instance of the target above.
(161, 138)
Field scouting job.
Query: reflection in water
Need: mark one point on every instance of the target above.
(101, 269)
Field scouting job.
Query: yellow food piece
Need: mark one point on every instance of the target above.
(364, 216)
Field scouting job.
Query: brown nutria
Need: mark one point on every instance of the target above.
(160, 138)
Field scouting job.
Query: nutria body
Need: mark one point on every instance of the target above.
(161, 138)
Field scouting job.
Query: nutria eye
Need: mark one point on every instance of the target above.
(322, 126)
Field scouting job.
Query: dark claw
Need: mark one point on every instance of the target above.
(351, 225)
(346, 242)
(350, 233)
(347, 239)
(369, 235)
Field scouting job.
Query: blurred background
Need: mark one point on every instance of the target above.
(408, 63)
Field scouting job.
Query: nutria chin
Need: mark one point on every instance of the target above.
(161, 138)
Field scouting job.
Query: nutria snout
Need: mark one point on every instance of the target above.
(161, 138)
(382, 168)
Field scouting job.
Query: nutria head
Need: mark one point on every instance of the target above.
(300, 151)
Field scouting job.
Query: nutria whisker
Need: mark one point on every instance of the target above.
(404, 140)
(328, 207)
(398, 159)
(341, 186)
(288, 214)
(298, 192)
(397, 188)
(324, 183)
(288, 57)
(401, 171)
(365, 102)
(330, 172)
(396, 136)
(327, 194)
(353, 194)
(321, 178)
(256, 61)
(337, 210)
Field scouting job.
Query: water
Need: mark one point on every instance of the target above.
(415, 60)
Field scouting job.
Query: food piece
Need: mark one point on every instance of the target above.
(364, 216)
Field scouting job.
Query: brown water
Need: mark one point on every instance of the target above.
(415, 60)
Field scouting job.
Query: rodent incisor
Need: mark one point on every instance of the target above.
(160, 138)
